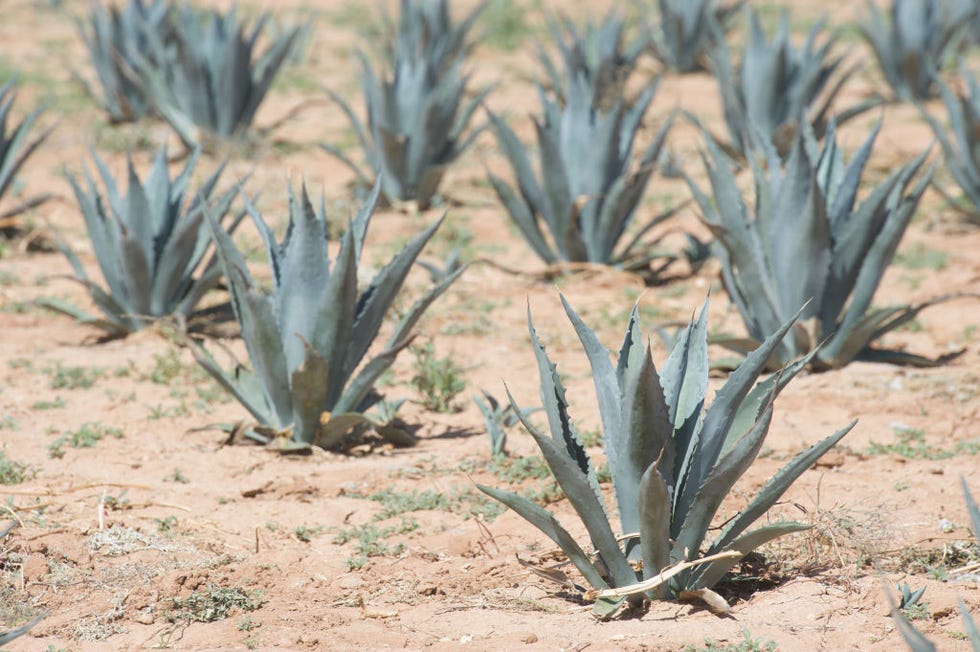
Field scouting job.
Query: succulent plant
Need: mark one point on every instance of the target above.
(150, 244)
(777, 86)
(205, 78)
(672, 464)
(961, 143)
(497, 417)
(16, 146)
(808, 239)
(688, 29)
(916, 41)
(600, 54)
(308, 337)
(117, 40)
(417, 117)
(590, 185)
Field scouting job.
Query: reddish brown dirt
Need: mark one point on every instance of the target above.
(112, 534)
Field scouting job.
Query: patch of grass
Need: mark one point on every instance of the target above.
(177, 476)
(370, 541)
(166, 524)
(438, 380)
(12, 472)
(87, 436)
(7, 422)
(305, 533)
(505, 25)
(212, 604)
(918, 256)
(56, 404)
(394, 502)
(63, 377)
(747, 644)
(515, 470)
(910, 443)
(8, 279)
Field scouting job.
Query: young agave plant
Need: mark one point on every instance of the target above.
(776, 86)
(599, 53)
(117, 39)
(150, 244)
(916, 42)
(808, 239)
(15, 148)
(961, 143)
(203, 77)
(688, 30)
(417, 118)
(590, 186)
(672, 464)
(309, 337)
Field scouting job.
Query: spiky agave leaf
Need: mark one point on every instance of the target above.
(688, 29)
(916, 41)
(807, 237)
(590, 182)
(16, 146)
(117, 39)
(671, 465)
(150, 244)
(210, 78)
(418, 120)
(598, 52)
(308, 338)
(776, 86)
(961, 141)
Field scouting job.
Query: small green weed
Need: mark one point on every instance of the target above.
(166, 524)
(306, 534)
(212, 604)
(370, 541)
(12, 472)
(85, 437)
(747, 644)
(55, 404)
(438, 380)
(7, 422)
(919, 256)
(63, 377)
(176, 476)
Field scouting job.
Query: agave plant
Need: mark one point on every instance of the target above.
(688, 30)
(961, 148)
(808, 238)
(671, 465)
(600, 54)
(417, 118)
(205, 76)
(117, 40)
(309, 337)
(590, 187)
(777, 86)
(916, 42)
(150, 244)
(16, 146)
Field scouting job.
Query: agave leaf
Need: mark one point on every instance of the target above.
(654, 521)
(8, 636)
(247, 392)
(713, 572)
(915, 639)
(971, 508)
(970, 625)
(309, 394)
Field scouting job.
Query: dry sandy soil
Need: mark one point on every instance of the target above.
(127, 542)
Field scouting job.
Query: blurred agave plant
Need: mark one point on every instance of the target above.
(417, 118)
(201, 76)
(687, 31)
(919, 38)
(150, 245)
(600, 54)
(590, 185)
(807, 238)
(777, 86)
(15, 148)
(117, 41)
(309, 337)
(961, 143)
(672, 464)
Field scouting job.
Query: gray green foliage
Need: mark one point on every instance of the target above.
(417, 114)
(150, 244)
(777, 86)
(117, 39)
(598, 52)
(916, 41)
(687, 30)
(961, 142)
(806, 239)
(308, 338)
(497, 417)
(16, 146)
(590, 182)
(672, 464)
(205, 76)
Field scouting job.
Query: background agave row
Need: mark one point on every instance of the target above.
(800, 260)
